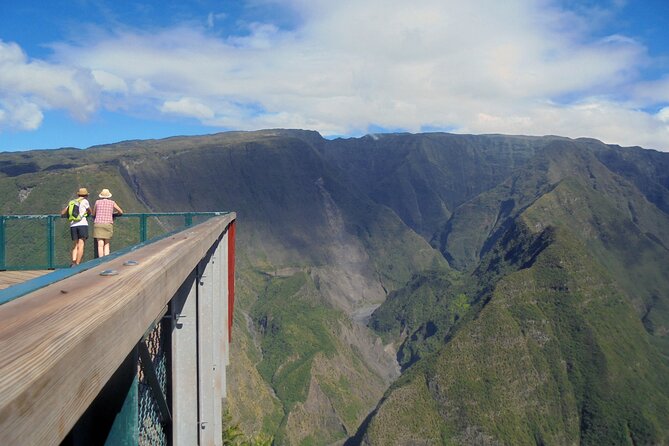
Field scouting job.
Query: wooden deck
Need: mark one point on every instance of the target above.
(9, 278)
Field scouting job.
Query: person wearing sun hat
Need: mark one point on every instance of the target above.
(104, 211)
(79, 225)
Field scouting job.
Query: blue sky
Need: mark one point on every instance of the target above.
(78, 73)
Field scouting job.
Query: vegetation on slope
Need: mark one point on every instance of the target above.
(559, 351)
(557, 356)
(307, 365)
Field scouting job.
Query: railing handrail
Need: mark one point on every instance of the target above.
(51, 219)
(29, 286)
(125, 214)
(62, 343)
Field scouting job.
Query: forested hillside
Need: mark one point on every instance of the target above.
(418, 289)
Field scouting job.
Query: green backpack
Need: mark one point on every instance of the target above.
(73, 210)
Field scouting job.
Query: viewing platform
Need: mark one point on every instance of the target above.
(131, 348)
(10, 278)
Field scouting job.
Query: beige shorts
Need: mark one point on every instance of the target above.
(103, 231)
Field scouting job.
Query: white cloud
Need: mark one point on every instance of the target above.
(141, 87)
(518, 66)
(594, 118)
(657, 90)
(188, 107)
(663, 115)
(28, 87)
(110, 82)
(19, 115)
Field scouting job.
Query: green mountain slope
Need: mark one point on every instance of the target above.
(565, 341)
(556, 357)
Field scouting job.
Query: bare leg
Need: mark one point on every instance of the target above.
(107, 247)
(101, 250)
(74, 251)
(80, 250)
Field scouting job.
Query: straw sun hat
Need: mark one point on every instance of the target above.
(105, 193)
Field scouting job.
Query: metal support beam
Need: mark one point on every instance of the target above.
(217, 366)
(230, 237)
(184, 364)
(2, 243)
(143, 230)
(50, 241)
(208, 352)
(223, 309)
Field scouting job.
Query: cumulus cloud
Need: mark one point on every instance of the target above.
(110, 82)
(19, 114)
(517, 66)
(29, 87)
(188, 107)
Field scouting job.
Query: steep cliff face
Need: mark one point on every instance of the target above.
(558, 355)
(314, 251)
(565, 338)
(425, 177)
(520, 282)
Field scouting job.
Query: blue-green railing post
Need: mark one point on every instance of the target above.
(188, 219)
(51, 241)
(142, 228)
(2, 243)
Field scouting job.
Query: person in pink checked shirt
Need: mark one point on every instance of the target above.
(104, 211)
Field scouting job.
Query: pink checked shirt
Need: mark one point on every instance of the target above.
(104, 209)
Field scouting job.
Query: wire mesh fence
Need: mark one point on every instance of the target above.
(33, 242)
(30, 242)
(153, 426)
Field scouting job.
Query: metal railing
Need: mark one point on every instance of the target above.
(36, 242)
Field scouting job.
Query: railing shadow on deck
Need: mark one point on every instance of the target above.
(130, 349)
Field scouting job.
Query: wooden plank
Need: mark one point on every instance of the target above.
(9, 278)
(60, 344)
